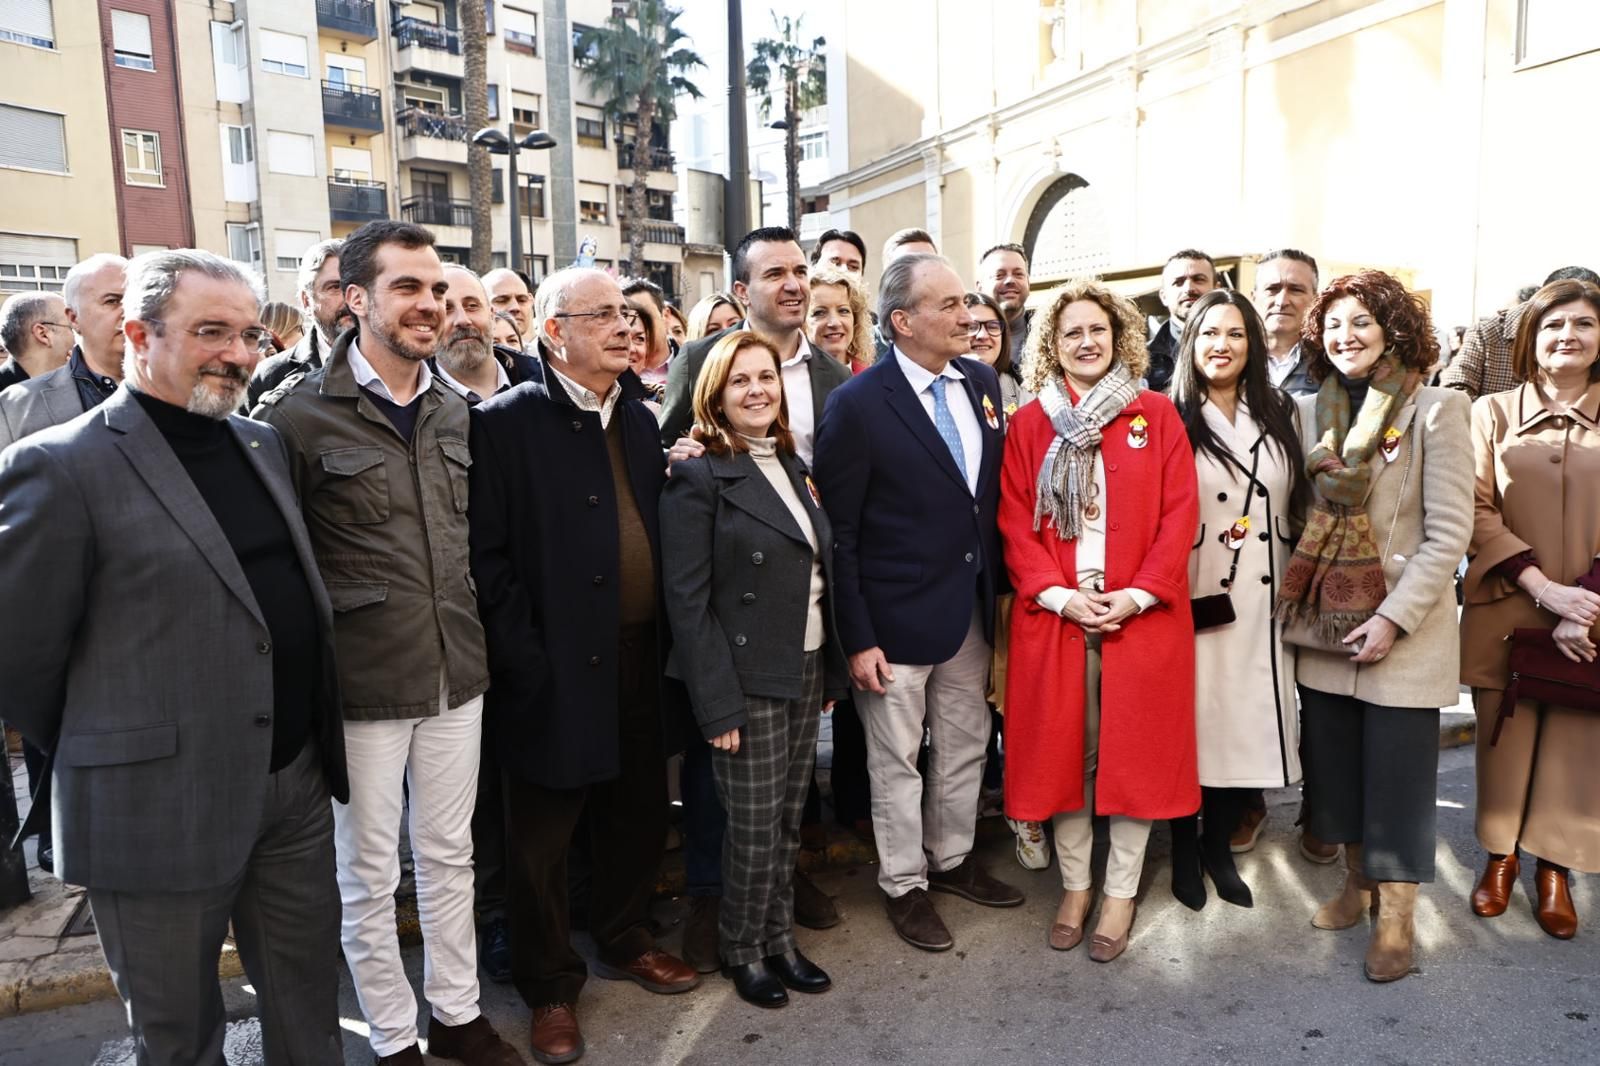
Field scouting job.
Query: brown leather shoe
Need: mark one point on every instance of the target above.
(555, 1037)
(654, 971)
(918, 924)
(813, 908)
(1252, 820)
(1493, 893)
(1554, 911)
(972, 882)
(1104, 948)
(474, 1043)
(411, 1056)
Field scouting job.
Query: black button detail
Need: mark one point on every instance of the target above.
(1222, 497)
(757, 558)
(1266, 579)
(1223, 582)
(969, 557)
(594, 501)
(1262, 536)
(975, 509)
(594, 660)
(263, 719)
(741, 640)
(265, 647)
(748, 597)
(1261, 490)
(577, 424)
(599, 579)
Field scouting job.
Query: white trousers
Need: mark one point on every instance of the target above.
(438, 760)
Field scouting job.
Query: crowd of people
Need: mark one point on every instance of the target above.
(484, 556)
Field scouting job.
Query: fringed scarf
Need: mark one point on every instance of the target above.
(1334, 581)
(1066, 476)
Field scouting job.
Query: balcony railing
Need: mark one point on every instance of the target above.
(410, 31)
(517, 41)
(357, 18)
(352, 106)
(417, 122)
(429, 211)
(656, 158)
(656, 231)
(350, 200)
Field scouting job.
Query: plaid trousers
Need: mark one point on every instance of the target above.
(763, 789)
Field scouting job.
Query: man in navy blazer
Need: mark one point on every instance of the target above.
(908, 466)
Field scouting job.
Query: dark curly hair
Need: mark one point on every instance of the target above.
(1401, 314)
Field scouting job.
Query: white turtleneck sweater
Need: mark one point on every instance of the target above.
(764, 450)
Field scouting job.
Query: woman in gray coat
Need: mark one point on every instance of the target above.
(747, 559)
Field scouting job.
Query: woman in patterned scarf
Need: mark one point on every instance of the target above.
(1367, 595)
(1098, 511)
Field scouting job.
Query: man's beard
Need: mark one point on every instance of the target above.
(334, 325)
(464, 351)
(209, 402)
(390, 333)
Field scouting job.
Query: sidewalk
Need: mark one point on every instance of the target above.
(48, 960)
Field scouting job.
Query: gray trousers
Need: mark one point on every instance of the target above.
(921, 823)
(763, 788)
(162, 947)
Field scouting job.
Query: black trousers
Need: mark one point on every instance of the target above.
(489, 839)
(852, 793)
(1372, 778)
(627, 820)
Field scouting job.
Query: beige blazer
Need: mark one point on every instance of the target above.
(1420, 506)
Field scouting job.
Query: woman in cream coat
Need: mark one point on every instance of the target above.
(1388, 454)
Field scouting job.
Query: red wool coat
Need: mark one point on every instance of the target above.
(1147, 765)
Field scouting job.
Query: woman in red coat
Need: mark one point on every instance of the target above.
(1098, 512)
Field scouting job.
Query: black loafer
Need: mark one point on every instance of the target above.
(798, 972)
(756, 984)
(494, 950)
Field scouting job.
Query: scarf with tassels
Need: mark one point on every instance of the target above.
(1066, 477)
(1334, 581)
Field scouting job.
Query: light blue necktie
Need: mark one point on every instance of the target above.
(945, 423)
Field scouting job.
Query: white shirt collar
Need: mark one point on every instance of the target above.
(584, 398)
(919, 378)
(502, 380)
(368, 378)
(801, 354)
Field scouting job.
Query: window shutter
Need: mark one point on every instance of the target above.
(38, 251)
(34, 139)
(30, 18)
(130, 32)
(283, 48)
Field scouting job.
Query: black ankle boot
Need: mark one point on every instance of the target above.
(1220, 808)
(1187, 883)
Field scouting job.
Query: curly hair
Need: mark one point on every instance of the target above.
(1043, 361)
(1401, 314)
(860, 349)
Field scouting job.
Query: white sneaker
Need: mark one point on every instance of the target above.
(1033, 850)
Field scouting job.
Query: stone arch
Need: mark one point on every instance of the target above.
(1066, 233)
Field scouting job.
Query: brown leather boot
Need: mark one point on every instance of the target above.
(1555, 911)
(1353, 900)
(1394, 935)
(1493, 893)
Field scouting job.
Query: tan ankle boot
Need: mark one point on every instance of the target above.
(1394, 935)
(1353, 900)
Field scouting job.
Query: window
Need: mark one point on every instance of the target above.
(591, 126)
(521, 31)
(283, 53)
(244, 243)
(352, 164)
(291, 153)
(238, 164)
(28, 22)
(130, 38)
(141, 157)
(531, 202)
(536, 267)
(426, 99)
(33, 140)
(431, 185)
(593, 203)
(35, 264)
(229, 60)
(813, 145)
(347, 72)
(1555, 29)
(582, 56)
(526, 109)
(290, 244)
(494, 100)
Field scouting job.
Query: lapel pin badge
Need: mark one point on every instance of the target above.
(1391, 444)
(1138, 432)
(989, 413)
(811, 487)
(1236, 534)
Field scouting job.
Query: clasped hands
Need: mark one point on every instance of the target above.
(1100, 612)
(1578, 608)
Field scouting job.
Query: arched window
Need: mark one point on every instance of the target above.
(1066, 234)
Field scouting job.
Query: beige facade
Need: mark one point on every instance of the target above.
(1106, 134)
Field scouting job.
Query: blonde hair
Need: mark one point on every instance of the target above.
(700, 313)
(1043, 358)
(710, 421)
(283, 321)
(861, 348)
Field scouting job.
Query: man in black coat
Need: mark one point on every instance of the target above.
(565, 480)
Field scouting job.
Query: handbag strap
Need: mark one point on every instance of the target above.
(1249, 487)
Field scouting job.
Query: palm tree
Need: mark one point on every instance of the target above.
(475, 101)
(803, 71)
(638, 61)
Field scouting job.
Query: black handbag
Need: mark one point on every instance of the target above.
(1217, 609)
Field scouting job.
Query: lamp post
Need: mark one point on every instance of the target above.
(498, 143)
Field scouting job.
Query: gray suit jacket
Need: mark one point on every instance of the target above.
(38, 403)
(133, 649)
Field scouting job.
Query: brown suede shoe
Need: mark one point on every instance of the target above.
(474, 1043)
(1493, 894)
(555, 1037)
(813, 908)
(1313, 849)
(1252, 820)
(972, 882)
(654, 971)
(1555, 912)
(411, 1056)
(918, 924)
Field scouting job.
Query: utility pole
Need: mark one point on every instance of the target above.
(736, 202)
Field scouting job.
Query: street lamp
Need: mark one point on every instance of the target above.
(498, 143)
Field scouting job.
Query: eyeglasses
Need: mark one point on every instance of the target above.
(63, 325)
(216, 339)
(992, 327)
(607, 316)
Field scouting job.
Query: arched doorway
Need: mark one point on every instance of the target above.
(1066, 235)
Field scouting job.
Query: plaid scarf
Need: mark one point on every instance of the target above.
(1334, 581)
(1067, 473)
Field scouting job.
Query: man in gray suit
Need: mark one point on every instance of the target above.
(93, 295)
(164, 631)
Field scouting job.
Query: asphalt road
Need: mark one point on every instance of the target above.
(1223, 986)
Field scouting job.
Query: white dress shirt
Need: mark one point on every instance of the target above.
(585, 399)
(502, 380)
(368, 378)
(961, 411)
(796, 373)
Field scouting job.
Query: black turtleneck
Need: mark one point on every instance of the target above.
(259, 536)
(1356, 389)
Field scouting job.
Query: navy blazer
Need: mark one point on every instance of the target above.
(914, 549)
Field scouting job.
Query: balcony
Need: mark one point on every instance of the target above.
(351, 20)
(350, 107)
(429, 211)
(432, 136)
(427, 46)
(656, 231)
(658, 158)
(517, 41)
(350, 200)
